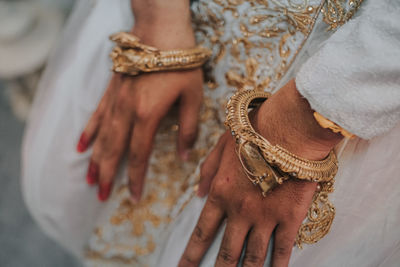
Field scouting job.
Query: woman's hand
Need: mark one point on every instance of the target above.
(128, 115)
(285, 119)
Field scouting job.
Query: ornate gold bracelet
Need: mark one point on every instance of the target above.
(132, 57)
(267, 165)
(327, 124)
(241, 128)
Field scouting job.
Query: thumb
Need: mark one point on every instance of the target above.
(188, 124)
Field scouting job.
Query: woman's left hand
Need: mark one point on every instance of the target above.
(285, 119)
(247, 212)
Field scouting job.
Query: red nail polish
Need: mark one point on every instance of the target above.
(93, 173)
(104, 192)
(83, 143)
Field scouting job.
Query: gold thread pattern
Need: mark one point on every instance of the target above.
(338, 12)
(253, 43)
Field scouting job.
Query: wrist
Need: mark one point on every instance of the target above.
(166, 20)
(287, 119)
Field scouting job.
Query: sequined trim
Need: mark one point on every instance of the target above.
(338, 12)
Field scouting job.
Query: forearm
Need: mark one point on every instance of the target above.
(155, 18)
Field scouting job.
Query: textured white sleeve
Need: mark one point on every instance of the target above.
(354, 79)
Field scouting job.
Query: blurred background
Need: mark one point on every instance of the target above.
(28, 31)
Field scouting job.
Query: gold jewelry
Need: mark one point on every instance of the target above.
(268, 166)
(327, 124)
(241, 128)
(132, 57)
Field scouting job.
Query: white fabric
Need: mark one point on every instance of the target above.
(53, 173)
(365, 231)
(354, 79)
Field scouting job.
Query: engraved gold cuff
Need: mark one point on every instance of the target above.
(132, 57)
(249, 142)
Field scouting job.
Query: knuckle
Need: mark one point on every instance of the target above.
(187, 261)
(213, 198)
(136, 160)
(282, 250)
(142, 111)
(122, 104)
(295, 215)
(205, 172)
(225, 256)
(251, 259)
(245, 205)
(219, 184)
(199, 236)
(142, 114)
(216, 192)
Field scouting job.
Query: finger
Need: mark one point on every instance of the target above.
(92, 176)
(257, 246)
(203, 234)
(139, 152)
(113, 149)
(285, 236)
(93, 125)
(188, 123)
(232, 243)
(210, 167)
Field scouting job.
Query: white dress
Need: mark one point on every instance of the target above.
(350, 75)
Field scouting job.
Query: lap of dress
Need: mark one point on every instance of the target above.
(155, 232)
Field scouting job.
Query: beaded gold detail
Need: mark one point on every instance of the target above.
(268, 166)
(241, 128)
(338, 12)
(132, 57)
(270, 32)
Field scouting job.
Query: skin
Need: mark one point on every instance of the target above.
(126, 120)
(285, 119)
(130, 111)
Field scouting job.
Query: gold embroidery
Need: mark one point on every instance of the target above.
(258, 40)
(267, 29)
(338, 12)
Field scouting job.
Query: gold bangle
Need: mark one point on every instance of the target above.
(241, 128)
(132, 57)
(327, 124)
(268, 166)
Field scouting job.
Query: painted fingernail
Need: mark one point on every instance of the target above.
(83, 143)
(104, 192)
(93, 173)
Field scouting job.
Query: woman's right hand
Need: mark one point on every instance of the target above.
(128, 114)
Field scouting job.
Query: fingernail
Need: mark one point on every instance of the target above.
(134, 200)
(185, 155)
(198, 192)
(92, 175)
(104, 192)
(83, 143)
(135, 195)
